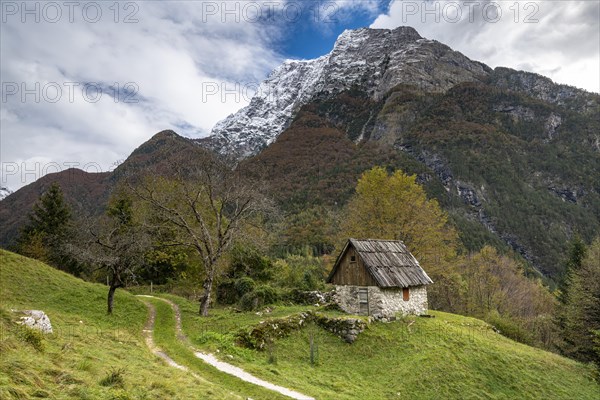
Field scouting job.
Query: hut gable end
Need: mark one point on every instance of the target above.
(350, 269)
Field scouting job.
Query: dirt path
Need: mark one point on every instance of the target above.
(209, 358)
(148, 330)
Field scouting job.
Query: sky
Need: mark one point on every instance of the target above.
(85, 83)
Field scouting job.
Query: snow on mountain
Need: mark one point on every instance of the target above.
(287, 88)
(4, 192)
(373, 60)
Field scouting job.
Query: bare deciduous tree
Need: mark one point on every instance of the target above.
(114, 243)
(205, 204)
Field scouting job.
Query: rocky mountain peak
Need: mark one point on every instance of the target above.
(356, 37)
(373, 60)
(353, 37)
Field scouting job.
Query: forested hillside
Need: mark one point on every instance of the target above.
(511, 170)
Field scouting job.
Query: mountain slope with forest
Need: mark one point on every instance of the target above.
(513, 157)
(495, 159)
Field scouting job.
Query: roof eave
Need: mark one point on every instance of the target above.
(398, 286)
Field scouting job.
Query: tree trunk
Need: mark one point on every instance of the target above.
(205, 298)
(111, 296)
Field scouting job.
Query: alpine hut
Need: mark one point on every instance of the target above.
(379, 278)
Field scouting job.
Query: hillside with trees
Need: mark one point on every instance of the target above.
(211, 234)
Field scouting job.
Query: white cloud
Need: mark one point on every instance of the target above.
(194, 62)
(187, 62)
(559, 39)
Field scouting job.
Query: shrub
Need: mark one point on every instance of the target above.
(231, 291)
(249, 302)
(226, 293)
(248, 261)
(509, 328)
(259, 297)
(267, 294)
(244, 285)
(302, 272)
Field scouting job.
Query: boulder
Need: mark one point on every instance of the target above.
(36, 319)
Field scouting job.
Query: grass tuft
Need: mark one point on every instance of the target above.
(32, 337)
(114, 378)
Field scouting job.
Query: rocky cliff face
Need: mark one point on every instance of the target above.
(372, 60)
(544, 89)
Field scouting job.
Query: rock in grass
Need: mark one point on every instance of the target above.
(36, 319)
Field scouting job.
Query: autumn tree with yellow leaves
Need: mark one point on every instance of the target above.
(395, 207)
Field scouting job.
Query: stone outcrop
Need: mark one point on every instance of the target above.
(346, 328)
(570, 195)
(259, 336)
(310, 297)
(36, 319)
(551, 127)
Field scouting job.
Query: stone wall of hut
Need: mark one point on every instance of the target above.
(383, 302)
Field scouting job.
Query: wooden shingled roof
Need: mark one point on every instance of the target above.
(388, 261)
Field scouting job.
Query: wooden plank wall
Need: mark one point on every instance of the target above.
(352, 273)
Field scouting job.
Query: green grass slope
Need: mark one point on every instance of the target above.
(87, 345)
(445, 357)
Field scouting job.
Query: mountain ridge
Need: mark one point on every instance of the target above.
(374, 60)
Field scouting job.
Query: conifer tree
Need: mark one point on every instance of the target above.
(48, 229)
(580, 313)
